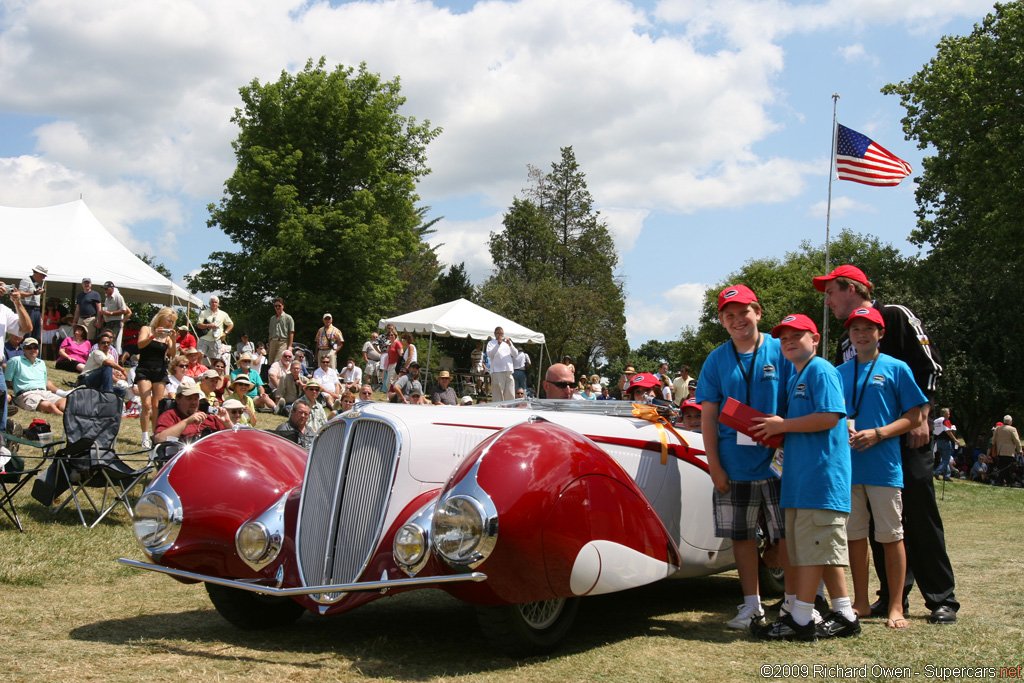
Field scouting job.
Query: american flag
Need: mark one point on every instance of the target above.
(862, 160)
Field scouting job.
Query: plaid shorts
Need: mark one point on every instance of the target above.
(737, 512)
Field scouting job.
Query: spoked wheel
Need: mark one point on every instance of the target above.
(252, 611)
(530, 628)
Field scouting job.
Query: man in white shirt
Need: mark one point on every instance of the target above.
(519, 365)
(352, 375)
(215, 325)
(330, 382)
(371, 356)
(278, 370)
(501, 353)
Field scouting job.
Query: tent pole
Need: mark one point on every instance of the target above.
(430, 346)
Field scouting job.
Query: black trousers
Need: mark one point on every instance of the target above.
(923, 536)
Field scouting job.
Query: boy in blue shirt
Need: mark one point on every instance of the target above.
(815, 486)
(882, 401)
(751, 369)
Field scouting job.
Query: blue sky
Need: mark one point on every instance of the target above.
(703, 126)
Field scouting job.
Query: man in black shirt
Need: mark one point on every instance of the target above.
(847, 288)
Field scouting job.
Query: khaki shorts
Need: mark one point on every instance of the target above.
(31, 399)
(882, 503)
(816, 538)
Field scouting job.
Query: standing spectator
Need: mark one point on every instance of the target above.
(52, 314)
(27, 375)
(942, 432)
(99, 369)
(282, 331)
(214, 325)
(1005, 446)
(662, 371)
(113, 312)
(681, 386)
(519, 367)
(351, 375)
(74, 350)
(371, 358)
(328, 340)
(443, 393)
(330, 382)
(297, 429)
(31, 288)
(846, 289)
(13, 323)
(156, 344)
(501, 352)
(625, 380)
(751, 369)
(87, 306)
(185, 339)
(393, 355)
(410, 354)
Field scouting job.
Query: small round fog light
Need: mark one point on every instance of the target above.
(410, 545)
(253, 541)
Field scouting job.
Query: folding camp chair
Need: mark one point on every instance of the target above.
(19, 471)
(92, 419)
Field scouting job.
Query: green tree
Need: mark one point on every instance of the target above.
(555, 267)
(322, 202)
(965, 107)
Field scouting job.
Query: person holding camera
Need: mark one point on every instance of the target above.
(215, 325)
(156, 343)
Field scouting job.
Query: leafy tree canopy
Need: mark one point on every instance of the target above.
(965, 106)
(322, 203)
(555, 267)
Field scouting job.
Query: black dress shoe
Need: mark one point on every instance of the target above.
(943, 614)
(880, 608)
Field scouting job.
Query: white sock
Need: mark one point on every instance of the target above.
(802, 612)
(62, 393)
(787, 602)
(145, 435)
(845, 607)
(753, 601)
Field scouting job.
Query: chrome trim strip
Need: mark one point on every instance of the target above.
(381, 586)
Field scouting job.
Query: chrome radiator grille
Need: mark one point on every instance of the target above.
(344, 498)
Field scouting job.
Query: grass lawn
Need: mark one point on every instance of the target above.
(69, 612)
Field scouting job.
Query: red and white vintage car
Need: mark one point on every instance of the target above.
(519, 508)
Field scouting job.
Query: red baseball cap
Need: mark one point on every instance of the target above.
(798, 321)
(691, 403)
(644, 380)
(868, 313)
(851, 272)
(736, 294)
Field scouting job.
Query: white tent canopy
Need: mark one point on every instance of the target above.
(69, 241)
(461, 318)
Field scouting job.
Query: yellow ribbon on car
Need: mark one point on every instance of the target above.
(650, 413)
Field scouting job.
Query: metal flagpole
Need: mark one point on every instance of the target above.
(828, 224)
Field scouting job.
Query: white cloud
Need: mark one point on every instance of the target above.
(624, 225)
(664, 319)
(466, 242)
(841, 206)
(857, 53)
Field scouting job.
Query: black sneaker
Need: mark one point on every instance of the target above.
(838, 626)
(787, 629)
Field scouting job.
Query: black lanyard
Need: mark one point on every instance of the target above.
(789, 394)
(753, 360)
(863, 386)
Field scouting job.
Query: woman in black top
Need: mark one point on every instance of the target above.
(156, 342)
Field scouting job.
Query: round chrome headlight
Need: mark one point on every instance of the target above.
(253, 541)
(410, 545)
(155, 521)
(459, 529)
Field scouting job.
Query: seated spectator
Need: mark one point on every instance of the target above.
(184, 422)
(330, 382)
(101, 365)
(443, 393)
(74, 351)
(416, 398)
(195, 367)
(235, 411)
(351, 375)
(210, 384)
(605, 395)
(130, 340)
(65, 330)
(979, 472)
(258, 393)
(289, 390)
(347, 401)
(317, 415)
(244, 346)
(176, 375)
(466, 401)
(221, 367)
(278, 370)
(366, 393)
(26, 374)
(520, 393)
(240, 386)
(404, 386)
(185, 339)
(297, 428)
